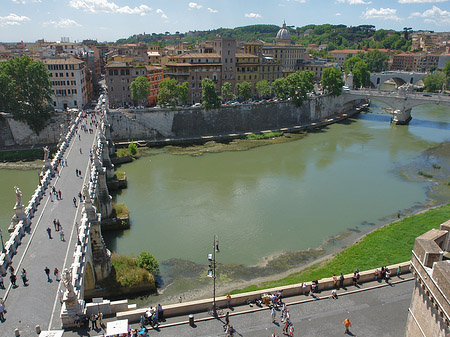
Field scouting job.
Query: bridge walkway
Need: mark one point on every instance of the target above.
(38, 302)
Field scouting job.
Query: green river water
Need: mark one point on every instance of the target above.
(326, 189)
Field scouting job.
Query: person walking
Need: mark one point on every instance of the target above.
(2, 285)
(227, 320)
(61, 235)
(24, 276)
(2, 309)
(273, 313)
(74, 201)
(59, 193)
(228, 300)
(51, 197)
(13, 279)
(304, 288)
(347, 325)
(49, 232)
(291, 330)
(56, 273)
(55, 223)
(341, 281)
(47, 272)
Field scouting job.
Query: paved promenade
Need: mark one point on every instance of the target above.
(374, 308)
(38, 302)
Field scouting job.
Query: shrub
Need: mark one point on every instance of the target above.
(132, 148)
(121, 209)
(148, 261)
(123, 152)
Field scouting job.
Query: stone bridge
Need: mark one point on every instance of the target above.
(401, 102)
(399, 77)
(80, 253)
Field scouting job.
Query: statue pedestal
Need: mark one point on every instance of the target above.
(19, 215)
(70, 309)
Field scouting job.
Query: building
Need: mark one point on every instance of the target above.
(155, 75)
(247, 69)
(316, 66)
(427, 62)
(340, 56)
(68, 78)
(226, 49)
(404, 61)
(429, 311)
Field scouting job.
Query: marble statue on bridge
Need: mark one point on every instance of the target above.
(18, 196)
(67, 280)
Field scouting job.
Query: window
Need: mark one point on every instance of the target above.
(110, 72)
(56, 74)
(61, 74)
(75, 103)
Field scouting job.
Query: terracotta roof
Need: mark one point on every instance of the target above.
(67, 60)
(118, 65)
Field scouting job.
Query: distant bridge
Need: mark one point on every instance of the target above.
(400, 101)
(399, 77)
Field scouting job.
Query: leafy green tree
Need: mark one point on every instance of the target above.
(380, 35)
(446, 69)
(227, 92)
(435, 81)
(140, 89)
(332, 80)
(376, 60)
(299, 84)
(25, 91)
(263, 88)
(148, 261)
(168, 92)
(280, 88)
(132, 147)
(209, 95)
(182, 92)
(361, 75)
(350, 62)
(244, 90)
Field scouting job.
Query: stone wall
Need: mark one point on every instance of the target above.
(156, 124)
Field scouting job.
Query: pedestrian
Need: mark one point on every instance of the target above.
(347, 325)
(74, 201)
(47, 272)
(354, 279)
(80, 196)
(94, 321)
(65, 162)
(335, 281)
(160, 313)
(291, 330)
(76, 172)
(2, 309)
(61, 235)
(13, 279)
(399, 271)
(228, 300)
(81, 152)
(61, 296)
(49, 232)
(273, 313)
(24, 276)
(100, 318)
(2, 285)
(59, 192)
(58, 225)
(11, 269)
(283, 312)
(341, 281)
(227, 320)
(304, 288)
(55, 223)
(51, 197)
(286, 327)
(180, 299)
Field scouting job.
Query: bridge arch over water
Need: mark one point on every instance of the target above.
(399, 77)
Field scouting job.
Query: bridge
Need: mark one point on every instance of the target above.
(80, 254)
(400, 101)
(399, 77)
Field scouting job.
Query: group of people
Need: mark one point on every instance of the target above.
(55, 272)
(385, 274)
(153, 316)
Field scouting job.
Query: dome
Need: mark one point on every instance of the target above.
(283, 33)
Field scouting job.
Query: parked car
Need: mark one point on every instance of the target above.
(427, 95)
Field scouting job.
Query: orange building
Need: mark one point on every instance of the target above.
(155, 75)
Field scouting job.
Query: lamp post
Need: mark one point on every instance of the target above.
(212, 270)
(1, 237)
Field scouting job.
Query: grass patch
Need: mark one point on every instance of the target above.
(423, 174)
(119, 175)
(436, 166)
(264, 135)
(127, 273)
(121, 210)
(21, 155)
(385, 246)
(123, 152)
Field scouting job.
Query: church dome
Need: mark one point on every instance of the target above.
(283, 33)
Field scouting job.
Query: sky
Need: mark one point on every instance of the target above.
(109, 20)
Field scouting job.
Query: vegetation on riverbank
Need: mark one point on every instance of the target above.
(120, 175)
(21, 155)
(121, 210)
(264, 135)
(385, 246)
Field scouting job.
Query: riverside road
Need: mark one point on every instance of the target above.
(38, 302)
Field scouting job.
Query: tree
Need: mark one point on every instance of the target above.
(263, 88)
(332, 80)
(299, 84)
(148, 261)
(361, 75)
(132, 147)
(209, 95)
(435, 81)
(182, 92)
(25, 91)
(376, 61)
(446, 69)
(244, 90)
(280, 88)
(168, 92)
(227, 92)
(140, 88)
(350, 62)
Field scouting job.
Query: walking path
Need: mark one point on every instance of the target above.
(374, 308)
(37, 303)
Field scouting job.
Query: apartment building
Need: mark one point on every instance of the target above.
(226, 49)
(119, 75)
(155, 75)
(68, 78)
(316, 66)
(247, 69)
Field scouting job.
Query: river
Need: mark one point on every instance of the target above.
(325, 190)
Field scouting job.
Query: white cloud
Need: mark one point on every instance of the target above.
(252, 15)
(62, 23)
(212, 10)
(382, 13)
(354, 2)
(338, 14)
(104, 6)
(13, 20)
(161, 12)
(194, 5)
(434, 15)
(419, 1)
(23, 2)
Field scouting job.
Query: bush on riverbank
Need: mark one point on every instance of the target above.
(127, 272)
(21, 155)
(121, 210)
(264, 135)
(385, 246)
(148, 261)
(120, 175)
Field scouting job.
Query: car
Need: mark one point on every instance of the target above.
(427, 95)
(197, 105)
(345, 88)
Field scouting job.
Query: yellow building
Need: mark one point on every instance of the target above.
(247, 69)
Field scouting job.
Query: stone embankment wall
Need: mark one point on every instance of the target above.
(157, 124)
(15, 134)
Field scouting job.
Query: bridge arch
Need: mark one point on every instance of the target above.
(399, 77)
(89, 278)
